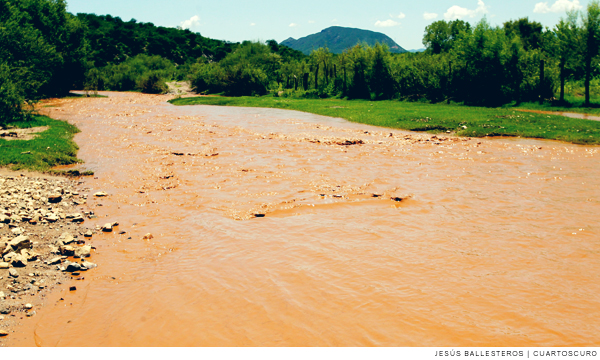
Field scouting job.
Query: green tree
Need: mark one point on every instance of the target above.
(566, 46)
(42, 51)
(359, 57)
(380, 79)
(480, 59)
(530, 32)
(440, 35)
(591, 35)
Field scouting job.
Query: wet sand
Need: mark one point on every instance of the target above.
(399, 239)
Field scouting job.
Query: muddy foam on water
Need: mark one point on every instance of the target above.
(280, 228)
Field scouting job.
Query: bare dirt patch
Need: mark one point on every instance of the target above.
(180, 88)
(22, 134)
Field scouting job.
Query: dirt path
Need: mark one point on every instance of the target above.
(280, 228)
(180, 88)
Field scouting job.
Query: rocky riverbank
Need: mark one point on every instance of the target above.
(43, 242)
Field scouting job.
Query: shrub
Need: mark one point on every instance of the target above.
(153, 83)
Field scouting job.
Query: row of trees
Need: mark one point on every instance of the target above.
(45, 51)
(479, 65)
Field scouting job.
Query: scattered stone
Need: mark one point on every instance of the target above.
(86, 265)
(72, 288)
(148, 236)
(101, 194)
(66, 250)
(33, 213)
(20, 242)
(54, 198)
(72, 266)
(3, 333)
(65, 239)
(51, 217)
(54, 261)
(77, 218)
(19, 260)
(83, 251)
(108, 227)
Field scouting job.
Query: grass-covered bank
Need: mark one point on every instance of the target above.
(572, 104)
(52, 147)
(462, 120)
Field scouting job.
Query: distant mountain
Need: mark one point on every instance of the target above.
(338, 39)
(416, 50)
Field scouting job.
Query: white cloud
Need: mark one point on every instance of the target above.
(558, 7)
(311, 21)
(386, 23)
(193, 22)
(334, 20)
(457, 12)
(252, 24)
(429, 16)
(293, 25)
(399, 16)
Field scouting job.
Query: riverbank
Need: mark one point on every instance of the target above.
(438, 118)
(39, 144)
(43, 242)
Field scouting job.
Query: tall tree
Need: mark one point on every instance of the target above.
(566, 46)
(591, 34)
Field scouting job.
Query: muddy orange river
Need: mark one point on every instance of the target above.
(280, 228)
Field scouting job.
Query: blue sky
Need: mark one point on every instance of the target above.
(404, 21)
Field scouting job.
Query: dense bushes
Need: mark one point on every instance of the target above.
(42, 53)
(249, 70)
(140, 73)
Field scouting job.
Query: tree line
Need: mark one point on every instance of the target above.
(45, 51)
(479, 64)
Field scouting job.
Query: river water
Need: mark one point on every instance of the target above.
(268, 231)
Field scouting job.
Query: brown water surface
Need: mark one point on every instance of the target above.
(406, 239)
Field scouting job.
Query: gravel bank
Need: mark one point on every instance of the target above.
(43, 242)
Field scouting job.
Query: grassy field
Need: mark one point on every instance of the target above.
(461, 120)
(52, 147)
(572, 104)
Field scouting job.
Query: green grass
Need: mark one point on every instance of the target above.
(573, 104)
(50, 148)
(478, 121)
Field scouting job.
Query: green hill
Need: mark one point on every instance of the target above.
(113, 40)
(338, 39)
